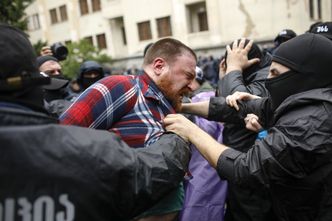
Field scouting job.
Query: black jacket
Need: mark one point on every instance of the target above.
(73, 173)
(236, 135)
(295, 159)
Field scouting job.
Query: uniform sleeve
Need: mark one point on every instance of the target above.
(230, 83)
(102, 104)
(257, 166)
(287, 151)
(220, 111)
(233, 82)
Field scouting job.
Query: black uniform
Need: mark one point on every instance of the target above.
(294, 159)
(55, 172)
(236, 135)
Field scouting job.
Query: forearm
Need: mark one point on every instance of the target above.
(206, 145)
(200, 108)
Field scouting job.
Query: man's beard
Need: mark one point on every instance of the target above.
(174, 98)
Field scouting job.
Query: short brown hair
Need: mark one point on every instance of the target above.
(168, 49)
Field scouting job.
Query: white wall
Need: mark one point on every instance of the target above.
(228, 20)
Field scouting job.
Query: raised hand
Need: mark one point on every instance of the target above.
(237, 56)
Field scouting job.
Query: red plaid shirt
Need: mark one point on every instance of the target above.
(130, 106)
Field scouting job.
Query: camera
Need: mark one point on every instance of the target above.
(59, 51)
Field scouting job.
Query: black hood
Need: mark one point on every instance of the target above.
(310, 55)
(309, 58)
(90, 66)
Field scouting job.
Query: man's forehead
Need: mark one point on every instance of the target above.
(49, 63)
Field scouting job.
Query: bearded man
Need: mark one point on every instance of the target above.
(133, 106)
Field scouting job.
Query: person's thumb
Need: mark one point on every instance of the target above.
(253, 61)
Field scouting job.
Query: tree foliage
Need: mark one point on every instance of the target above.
(13, 12)
(79, 52)
(38, 46)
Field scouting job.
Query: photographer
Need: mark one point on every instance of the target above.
(57, 50)
(58, 97)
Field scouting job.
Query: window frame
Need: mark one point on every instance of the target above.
(144, 30)
(161, 23)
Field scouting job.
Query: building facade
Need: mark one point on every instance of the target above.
(122, 28)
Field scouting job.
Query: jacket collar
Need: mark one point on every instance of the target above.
(304, 98)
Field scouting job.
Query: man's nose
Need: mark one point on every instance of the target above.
(191, 85)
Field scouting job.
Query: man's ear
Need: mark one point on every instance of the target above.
(159, 64)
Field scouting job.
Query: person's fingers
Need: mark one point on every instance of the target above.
(222, 63)
(46, 48)
(236, 106)
(249, 45)
(227, 100)
(235, 44)
(230, 101)
(252, 116)
(228, 48)
(253, 61)
(46, 51)
(241, 44)
(233, 100)
(255, 124)
(252, 122)
(168, 119)
(239, 96)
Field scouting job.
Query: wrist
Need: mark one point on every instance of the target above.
(233, 68)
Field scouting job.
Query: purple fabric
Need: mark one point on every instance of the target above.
(205, 193)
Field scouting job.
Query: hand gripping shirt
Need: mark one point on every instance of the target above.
(130, 106)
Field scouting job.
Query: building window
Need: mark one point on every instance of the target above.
(164, 27)
(197, 17)
(89, 40)
(202, 21)
(96, 6)
(144, 30)
(123, 34)
(63, 13)
(33, 22)
(84, 7)
(54, 17)
(315, 9)
(319, 9)
(101, 41)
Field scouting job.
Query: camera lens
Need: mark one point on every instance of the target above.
(59, 51)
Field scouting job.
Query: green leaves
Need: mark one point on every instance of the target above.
(79, 52)
(12, 12)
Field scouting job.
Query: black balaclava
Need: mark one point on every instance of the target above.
(254, 52)
(309, 57)
(89, 66)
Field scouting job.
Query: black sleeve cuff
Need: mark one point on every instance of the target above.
(225, 164)
(216, 106)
